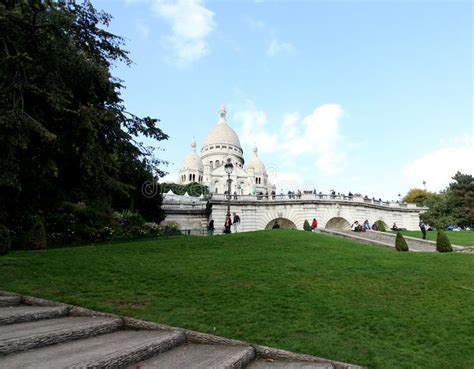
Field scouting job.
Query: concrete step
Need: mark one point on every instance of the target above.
(19, 314)
(112, 350)
(25, 336)
(276, 364)
(6, 301)
(196, 356)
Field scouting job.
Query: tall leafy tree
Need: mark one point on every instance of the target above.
(65, 134)
(454, 205)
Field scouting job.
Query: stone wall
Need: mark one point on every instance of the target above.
(258, 213)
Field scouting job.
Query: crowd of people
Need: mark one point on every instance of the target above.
(357, 227)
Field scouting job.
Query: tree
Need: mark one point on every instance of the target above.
(306, 226)
(400, 243)
(417, 196)
(65, 135)
(454, 205)
(461, 197)
(442, 242)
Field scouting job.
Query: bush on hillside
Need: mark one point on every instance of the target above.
(381, 226)
(442, 242)
(400, 243)
(169, 229)
(78, 223)
(35, 237)
(4, 240)
(306, 226)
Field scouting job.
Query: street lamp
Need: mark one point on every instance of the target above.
(229, 167)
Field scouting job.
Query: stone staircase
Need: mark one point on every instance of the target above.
(37, 333)
(388, 240)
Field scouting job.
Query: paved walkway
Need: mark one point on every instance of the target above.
(388, 240)
(36, 333)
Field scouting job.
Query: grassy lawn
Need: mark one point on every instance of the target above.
(462, 238)
(294, 290)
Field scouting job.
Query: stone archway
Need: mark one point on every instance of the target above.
(283, 222)
(338, 224)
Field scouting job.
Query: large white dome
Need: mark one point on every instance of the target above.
(222, 133)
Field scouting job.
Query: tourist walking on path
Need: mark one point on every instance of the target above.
(314, 224)
(236, 222)
(227, 224)
(423, 229)
(210, 228)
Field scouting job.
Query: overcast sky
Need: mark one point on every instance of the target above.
(371, 97)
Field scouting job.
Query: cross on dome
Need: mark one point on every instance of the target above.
(193, 145)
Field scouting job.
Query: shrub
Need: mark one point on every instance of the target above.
(442, 242)
(400, 243)
(306, 226)
(131, 219)
(381, 226)
(78, 223)
(5, 242)
(169, 229)
(35, 237)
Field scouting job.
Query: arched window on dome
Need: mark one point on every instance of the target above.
(210, 163)
(190, 177)
(194, 178)
(217, 163)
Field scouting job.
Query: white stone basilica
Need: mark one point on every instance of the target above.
(222, 145)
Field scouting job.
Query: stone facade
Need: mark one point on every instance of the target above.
(258, 213)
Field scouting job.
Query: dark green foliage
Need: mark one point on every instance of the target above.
(381, 226)
(442, 242)
(78, 223)
(193, 189)
(452, 206)
(306, 226)
(65, 135)
(4, 240)
(400, 243)
(35, 237)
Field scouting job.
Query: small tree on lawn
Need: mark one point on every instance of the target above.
(442, 242)
(35, 238)
(4, 240)
(306, 225)
(380, 226)
(400, 243)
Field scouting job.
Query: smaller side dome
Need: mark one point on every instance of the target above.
(192, 161)
(255, 163)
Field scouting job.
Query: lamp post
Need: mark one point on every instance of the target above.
(229, 167)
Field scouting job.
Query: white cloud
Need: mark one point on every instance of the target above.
(315, 138)
(191, 23)
(275, 46)
(254, 124)
(437, 167)
(279, 47)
